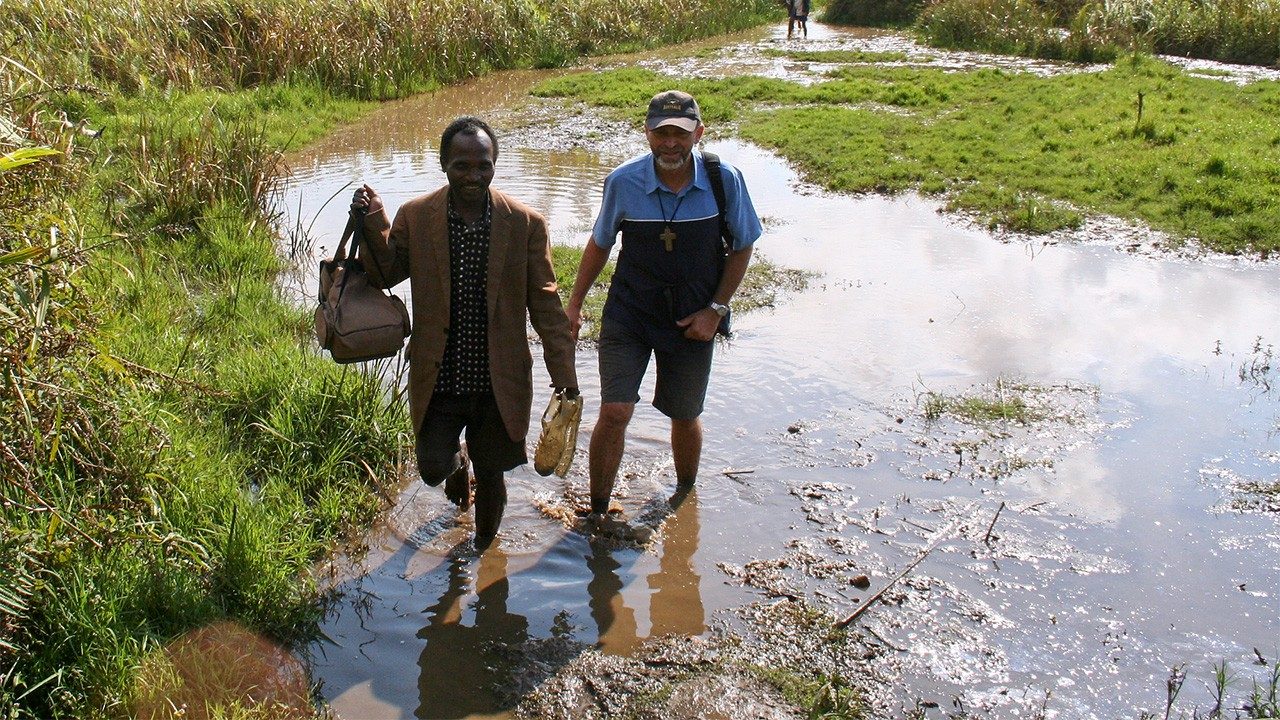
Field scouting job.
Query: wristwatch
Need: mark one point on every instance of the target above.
(719, 309)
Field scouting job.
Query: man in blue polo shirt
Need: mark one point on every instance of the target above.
(671, 287)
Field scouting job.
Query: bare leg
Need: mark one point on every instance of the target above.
(608, 440)
(791, 26)
(686, 450)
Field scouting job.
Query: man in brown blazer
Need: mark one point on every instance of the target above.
(478, 263)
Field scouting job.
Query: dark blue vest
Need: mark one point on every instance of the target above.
(654, 287)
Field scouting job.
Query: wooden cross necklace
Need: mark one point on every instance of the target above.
(668, 235)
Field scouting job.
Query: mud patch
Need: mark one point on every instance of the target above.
(673, 677)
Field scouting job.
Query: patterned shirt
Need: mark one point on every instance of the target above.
(465, 368)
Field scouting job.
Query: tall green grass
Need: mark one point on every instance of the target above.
(1240, 31)
(878, 13)
(1013, 27)
(369, 50)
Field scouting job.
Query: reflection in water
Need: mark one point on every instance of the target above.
(615, 622)
(676, 603)
(458, 667)
(460, 648)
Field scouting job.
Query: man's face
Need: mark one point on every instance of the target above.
(469, 166)
(672, 146)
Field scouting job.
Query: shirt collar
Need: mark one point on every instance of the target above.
(699, 175)
(486, 218)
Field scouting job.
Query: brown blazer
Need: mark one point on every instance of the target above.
(521, 283)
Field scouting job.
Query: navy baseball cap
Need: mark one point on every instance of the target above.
(673, 108)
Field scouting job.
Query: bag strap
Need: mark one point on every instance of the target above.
(353, 232)
(347, 234)
(712, 162)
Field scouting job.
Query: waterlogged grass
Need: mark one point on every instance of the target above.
(977, 410)
(824, 695)
(1021, 152)
(827, 698)
(1259, 699)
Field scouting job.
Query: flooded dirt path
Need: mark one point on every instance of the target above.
(1086, 552)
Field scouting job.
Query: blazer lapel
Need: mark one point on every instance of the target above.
(438, 241)
(499, 244)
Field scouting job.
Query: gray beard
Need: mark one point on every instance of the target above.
(668, 165)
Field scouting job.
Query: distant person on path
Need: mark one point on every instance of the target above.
(478, 263)
(670, 290)
(798, 13)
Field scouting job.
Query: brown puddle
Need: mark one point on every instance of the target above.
(1114, 557)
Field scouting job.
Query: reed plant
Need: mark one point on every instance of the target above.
(876, 13)
(1240, 31)
(1012, 27)
(368, 50)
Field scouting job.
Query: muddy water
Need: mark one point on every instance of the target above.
(1114, 556)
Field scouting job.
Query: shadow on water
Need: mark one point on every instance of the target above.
(1113, 558)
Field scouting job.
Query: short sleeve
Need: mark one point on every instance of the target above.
(741, 215)
(609, 221)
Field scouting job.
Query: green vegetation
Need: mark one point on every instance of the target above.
(1262, 700)
(1243, 31)
(879, 13)
(366, 50)
(1012, 27)
(565, 258)
(1194, 157)
(826, 698)
(1005, 401)
(173, 452)
(976, 410)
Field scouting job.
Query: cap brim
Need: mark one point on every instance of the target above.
(686, 124)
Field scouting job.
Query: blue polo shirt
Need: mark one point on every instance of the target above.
(671, 258)
(631, 192)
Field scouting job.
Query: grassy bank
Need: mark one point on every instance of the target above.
(1023, 152)
(1240, 31)
(174, 452)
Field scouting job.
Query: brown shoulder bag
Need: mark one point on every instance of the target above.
(356, 321)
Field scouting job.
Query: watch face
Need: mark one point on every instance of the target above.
(721, 310)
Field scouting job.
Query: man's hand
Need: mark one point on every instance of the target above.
(366, 199)
(574, 313)
(700, 325)
(569, 392)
